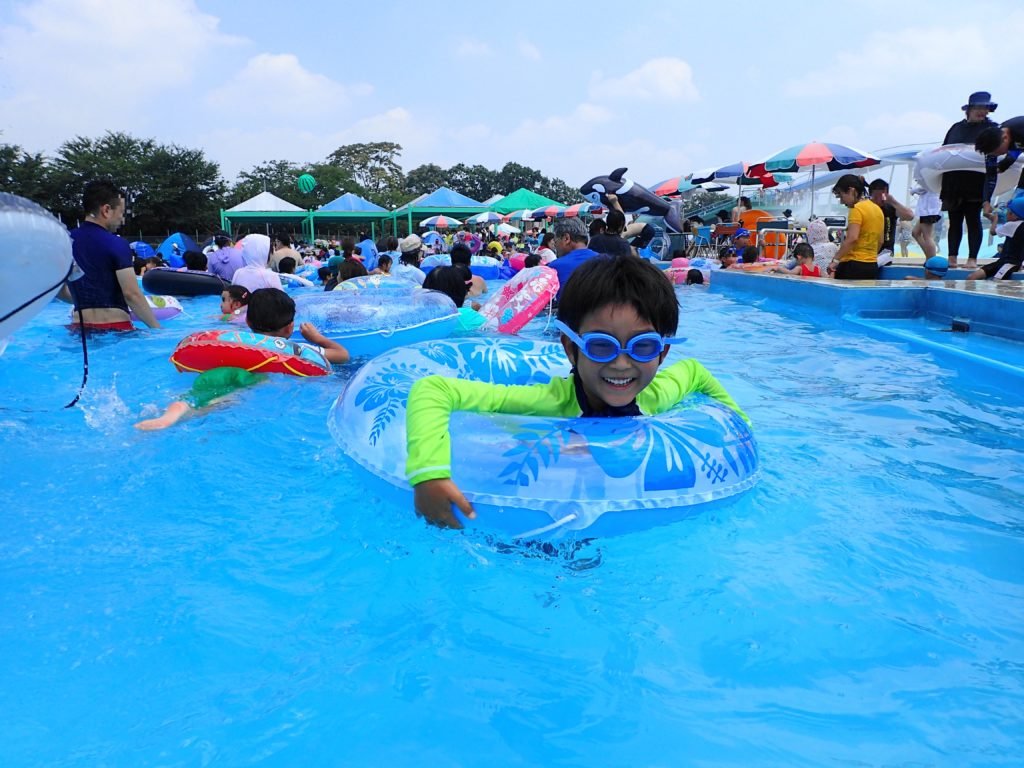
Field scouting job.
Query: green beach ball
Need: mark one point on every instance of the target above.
(306, 183)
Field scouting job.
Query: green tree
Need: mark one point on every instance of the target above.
(374, 167)
(558, 190)
(425, 179)
(278, 177)
(25, 174)
(512, 176)
(474, 181)
(168, 187)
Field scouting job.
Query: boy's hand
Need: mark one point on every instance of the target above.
(311, 334)
(434, 498)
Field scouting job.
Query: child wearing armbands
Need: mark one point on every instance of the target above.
(271, 311)
(616, 316)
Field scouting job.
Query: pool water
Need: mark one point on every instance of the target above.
(227, 592)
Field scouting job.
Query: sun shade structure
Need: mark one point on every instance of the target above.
(487, 217)
(441, 201)
(350, 208)
(815, 156)
(520, 199)
(441, 222)
(266, 208)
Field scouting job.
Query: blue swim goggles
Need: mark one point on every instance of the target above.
(602, 348)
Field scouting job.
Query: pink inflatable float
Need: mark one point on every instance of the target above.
(521, 299)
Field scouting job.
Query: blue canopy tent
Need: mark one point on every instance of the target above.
(173, 249)
(351, 208)
(441, 201)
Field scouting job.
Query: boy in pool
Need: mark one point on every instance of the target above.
(271, 311)
(616, 316)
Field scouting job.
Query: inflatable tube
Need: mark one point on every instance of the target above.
(164, 308)
(932, 163)
(382, 284)
(520, 300)
(295, 281)
(252, 351)
(532, 477)
(182, 283)
(482, 266)
(368, 323)
(35, 260)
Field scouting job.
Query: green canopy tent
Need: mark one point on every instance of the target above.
(266, 208)
(350, 209)
(520, 199)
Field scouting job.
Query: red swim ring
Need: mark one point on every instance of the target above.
(251, 351)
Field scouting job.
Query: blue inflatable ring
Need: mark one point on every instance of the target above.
(533, 477)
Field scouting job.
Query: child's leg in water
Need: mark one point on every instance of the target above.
(210, 388)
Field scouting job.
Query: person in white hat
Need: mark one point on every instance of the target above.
(408, 266)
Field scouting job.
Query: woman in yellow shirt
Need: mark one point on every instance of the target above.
(857, 257)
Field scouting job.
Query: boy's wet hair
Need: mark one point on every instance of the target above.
(195, 261)
(383, 260)
(461, 254)
(989, 139)
(532, 260)
(606, 280)
(270, 310)
(286, 265)
(450, 281)
(749, 254)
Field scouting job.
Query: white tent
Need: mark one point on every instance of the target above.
(265, 202)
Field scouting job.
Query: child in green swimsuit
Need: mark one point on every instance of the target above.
(616, 315)
(271, 311)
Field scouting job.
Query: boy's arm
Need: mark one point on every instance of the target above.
(333, 351)
(433, 399)
(677, 381)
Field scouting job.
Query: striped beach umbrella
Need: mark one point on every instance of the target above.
(548, 212)
(678, 185)
(582, 209)
(740, 173)
(813, 157)
(524, 215)
(441, 222)
(487, 217)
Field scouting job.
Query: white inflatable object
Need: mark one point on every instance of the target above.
(35, 259)
(932, 163)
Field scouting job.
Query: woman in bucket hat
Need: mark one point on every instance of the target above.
(963, 191)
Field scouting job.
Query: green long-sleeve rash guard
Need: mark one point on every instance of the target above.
(433, 399)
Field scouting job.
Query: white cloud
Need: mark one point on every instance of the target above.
(282, 87)
(529, 51)
(79, 68)
(471, 49)
(661, 79)
(895, 60)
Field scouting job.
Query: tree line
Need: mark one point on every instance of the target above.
(172, 188)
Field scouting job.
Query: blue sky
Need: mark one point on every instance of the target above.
(573, 89)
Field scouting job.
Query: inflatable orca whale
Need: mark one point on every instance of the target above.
(632, 197)
(35, 261)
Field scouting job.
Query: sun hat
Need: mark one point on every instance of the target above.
(410, 244)
(980, 99)
(937, 265)
(1016, 206)
(741, 233)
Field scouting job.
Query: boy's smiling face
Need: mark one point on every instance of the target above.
(619, 381)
